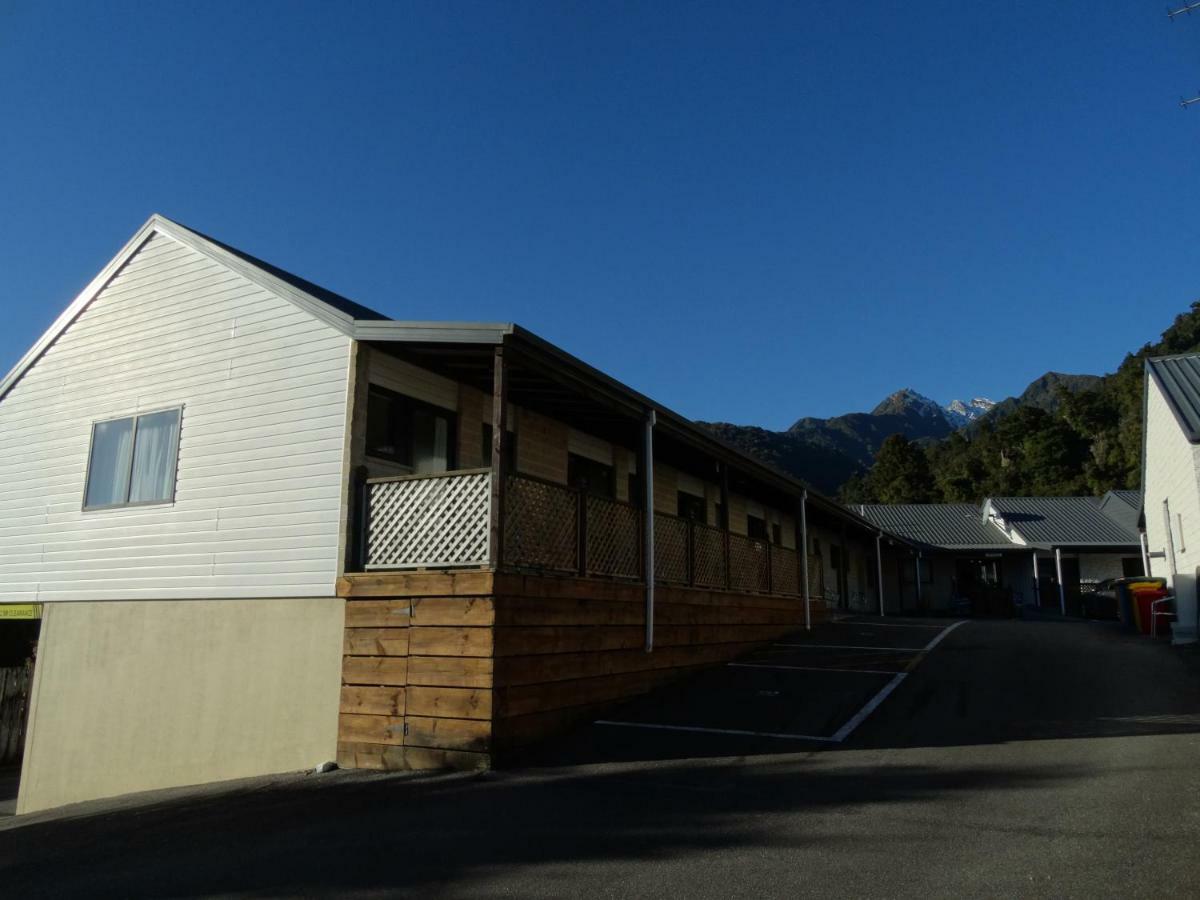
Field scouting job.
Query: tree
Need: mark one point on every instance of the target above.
(901, 473)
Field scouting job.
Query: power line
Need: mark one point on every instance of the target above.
(1182, 11)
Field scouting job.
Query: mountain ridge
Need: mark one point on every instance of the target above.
(826, 453)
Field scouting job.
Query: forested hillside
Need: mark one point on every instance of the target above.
(1080, 439)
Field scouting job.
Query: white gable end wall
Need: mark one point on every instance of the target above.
(1171, 473)
(263, 386)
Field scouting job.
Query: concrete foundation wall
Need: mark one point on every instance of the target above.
(132, 696)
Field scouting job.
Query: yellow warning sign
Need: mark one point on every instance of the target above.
(20, 610)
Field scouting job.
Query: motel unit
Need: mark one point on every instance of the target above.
(267, 527)
(1171, 477)
(1009, 551)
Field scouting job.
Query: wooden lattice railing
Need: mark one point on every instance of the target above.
(428, 521)
(443, 521)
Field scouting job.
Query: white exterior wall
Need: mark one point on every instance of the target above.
(264, 390)
(1170, 473)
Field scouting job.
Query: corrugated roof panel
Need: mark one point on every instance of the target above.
(1179, 377)
(1123, 507)
(946, 525)
(1063, 521)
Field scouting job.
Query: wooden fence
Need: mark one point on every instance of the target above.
(14, 711)
(442, 521)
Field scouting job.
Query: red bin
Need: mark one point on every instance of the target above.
(1143, 600)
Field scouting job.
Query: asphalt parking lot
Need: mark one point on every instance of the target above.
(1015, 758)
(808, 690)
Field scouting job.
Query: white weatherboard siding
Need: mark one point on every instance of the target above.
(1171, 474)
(264, 390)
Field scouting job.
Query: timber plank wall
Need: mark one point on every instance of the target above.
(452, 669)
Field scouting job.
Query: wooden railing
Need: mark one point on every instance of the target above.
(442, 521)
(428, 521)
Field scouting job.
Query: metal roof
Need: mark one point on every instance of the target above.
(1179, 378)
(1063, 521)
(1123, 507)
(362, 323)
(949, 526)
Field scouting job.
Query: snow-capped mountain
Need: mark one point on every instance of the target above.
(956, 413)
(907, 402)
(959, 413)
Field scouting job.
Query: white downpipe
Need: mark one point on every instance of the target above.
(804, 560)
(1062, 588)
(1171, 566)
(648, 518)
(1037, 582)
(879, 570)
(1145, 554)
(917, 577)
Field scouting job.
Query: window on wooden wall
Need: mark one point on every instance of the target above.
(590, 476)
(689, 506)
(133, 460)
(756, 528)
(409, 433)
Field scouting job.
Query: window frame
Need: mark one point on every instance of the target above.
(408, 405)
(577, 461)
(133, 504)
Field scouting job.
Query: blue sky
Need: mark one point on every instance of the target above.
(750, 212)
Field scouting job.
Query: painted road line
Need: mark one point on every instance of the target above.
(851, 647)
(810, 669)
(884, 624)
(838, 736)
(859, 717)
(735, 731)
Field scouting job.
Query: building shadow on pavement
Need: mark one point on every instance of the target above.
(351, 831)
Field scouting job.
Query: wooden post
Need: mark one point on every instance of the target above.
(725, 521)
(499, 426)
(802, 540)
(879, 570)
(647, 464)
(581, 531)
(917, 573)
(768, 544)
(844, 574)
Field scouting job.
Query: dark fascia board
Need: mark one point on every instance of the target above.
(539, 350)
(685, 429)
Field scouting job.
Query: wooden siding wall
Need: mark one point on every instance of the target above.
(450, 669)
(541, 446)
(259, 488)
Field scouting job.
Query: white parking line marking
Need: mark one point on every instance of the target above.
(810, 669)
(885, 624)
(737, 731)
(851, 647)
(838, 736)
(859, 717)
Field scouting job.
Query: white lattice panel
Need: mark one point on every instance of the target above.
(429, 522)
